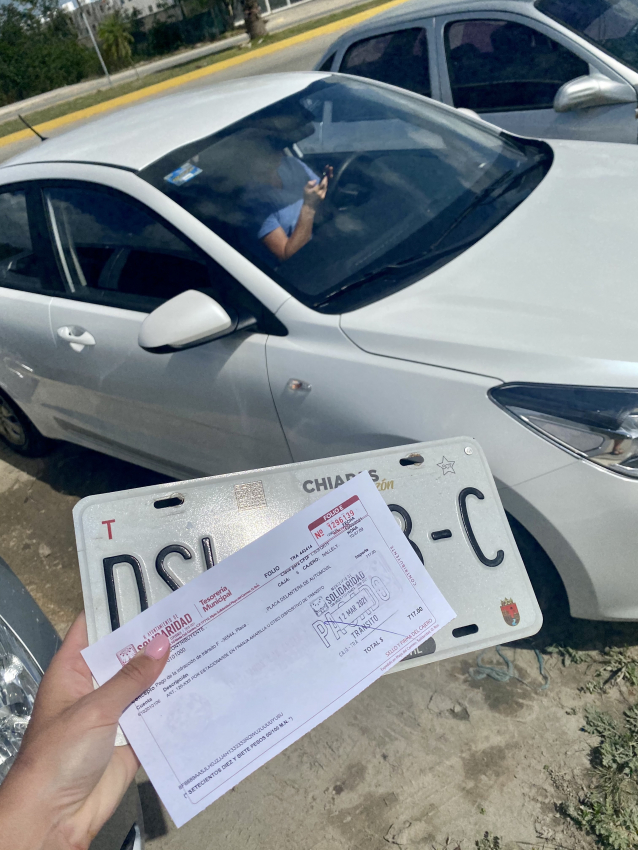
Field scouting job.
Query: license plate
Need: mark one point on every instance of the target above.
(137, 546)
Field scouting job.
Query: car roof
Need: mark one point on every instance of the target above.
(135, 137)
(428, 8)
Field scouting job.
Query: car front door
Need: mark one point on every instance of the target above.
(509, 68)
(207, 409)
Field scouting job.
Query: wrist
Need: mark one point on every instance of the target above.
(308, 208)
(25, 817)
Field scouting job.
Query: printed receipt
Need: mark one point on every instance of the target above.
(270, 642)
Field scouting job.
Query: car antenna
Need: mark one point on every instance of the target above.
(33, 130)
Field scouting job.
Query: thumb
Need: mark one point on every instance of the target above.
(114, 696)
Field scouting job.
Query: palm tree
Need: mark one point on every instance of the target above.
(115, 36)
(255, 24)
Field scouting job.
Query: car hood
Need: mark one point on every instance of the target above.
(551, 294)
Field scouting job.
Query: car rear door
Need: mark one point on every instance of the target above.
(28, 280)
(508, 68)
(400, 55)
(207, 409)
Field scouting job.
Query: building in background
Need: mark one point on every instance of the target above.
(96, 10)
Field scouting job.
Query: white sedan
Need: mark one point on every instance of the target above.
(306, 265)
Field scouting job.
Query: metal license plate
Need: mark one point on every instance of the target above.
(137, 546)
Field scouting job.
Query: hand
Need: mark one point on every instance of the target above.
(69, 778)
(315, 192)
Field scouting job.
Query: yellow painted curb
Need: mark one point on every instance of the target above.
(175, 82)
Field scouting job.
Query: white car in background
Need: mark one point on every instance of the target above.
(559, 69)
(459, 280)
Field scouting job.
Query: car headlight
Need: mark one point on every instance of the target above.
(19, 681)
(591, 422)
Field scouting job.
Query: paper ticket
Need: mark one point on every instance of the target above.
(270, 642)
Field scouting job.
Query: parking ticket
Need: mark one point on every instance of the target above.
(270, 642)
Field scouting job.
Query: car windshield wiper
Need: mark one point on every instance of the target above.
(509, 178)
(390, 269)
(485, 195)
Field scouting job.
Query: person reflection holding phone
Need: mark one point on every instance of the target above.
(283, 195)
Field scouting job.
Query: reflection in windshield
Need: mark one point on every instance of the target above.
(610, 24)
(347, 191)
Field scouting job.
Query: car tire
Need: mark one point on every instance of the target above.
(18, 432)
(547, 584)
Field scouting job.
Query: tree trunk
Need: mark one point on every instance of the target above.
(255, 24)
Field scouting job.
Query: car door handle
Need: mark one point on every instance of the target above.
(76, 337)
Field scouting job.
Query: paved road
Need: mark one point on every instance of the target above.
(300, 57)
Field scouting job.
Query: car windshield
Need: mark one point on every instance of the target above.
(348, 190)
(610, 24)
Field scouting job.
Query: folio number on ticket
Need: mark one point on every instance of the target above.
(342, 518)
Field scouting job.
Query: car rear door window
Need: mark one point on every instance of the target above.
(23, 264)
(399, 58)
(326, 65)
(111, 250)
(497, 65)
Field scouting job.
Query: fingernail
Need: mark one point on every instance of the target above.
(158, 647)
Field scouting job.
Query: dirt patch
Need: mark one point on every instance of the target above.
(507, 702)
(426, 758)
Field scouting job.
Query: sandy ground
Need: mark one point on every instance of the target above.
(422, 756)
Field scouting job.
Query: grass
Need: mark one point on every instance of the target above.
(568, 655)
(608, 810)
(110, 92)
(488, 842)
(620, 665)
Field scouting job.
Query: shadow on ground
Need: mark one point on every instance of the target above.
(37, 497)
(75, 471)
(155, 824)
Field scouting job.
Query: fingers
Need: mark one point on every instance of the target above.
(131, 681)
(76, 638)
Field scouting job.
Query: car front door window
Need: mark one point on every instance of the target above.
(113, 252)
(399, 58)
(499, 65)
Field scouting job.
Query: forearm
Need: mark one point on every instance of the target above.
(302, 234)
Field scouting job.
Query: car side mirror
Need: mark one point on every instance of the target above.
(592, 90)
(190, 318)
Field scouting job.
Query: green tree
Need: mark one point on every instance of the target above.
(116, 40)
(39, 50)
